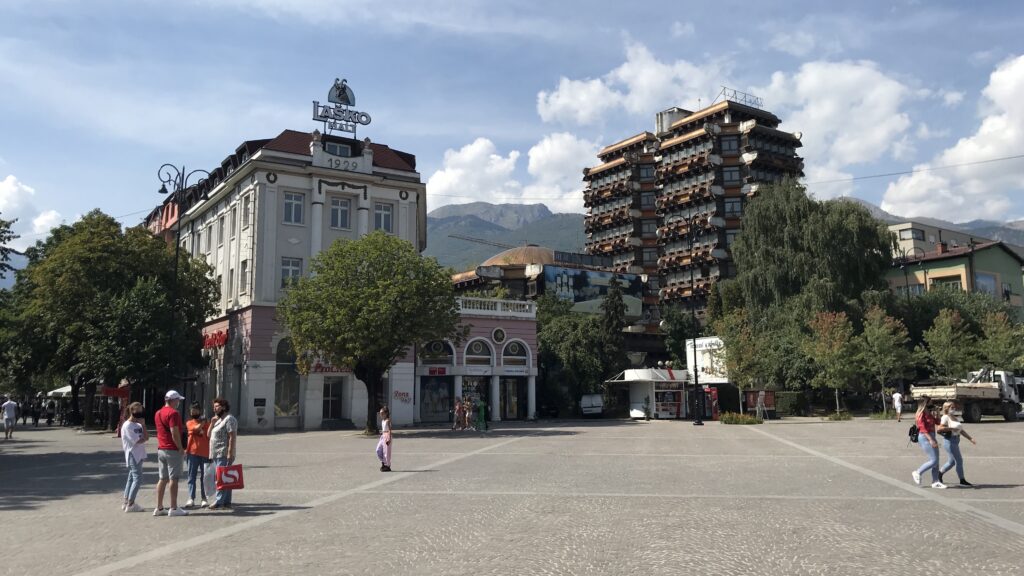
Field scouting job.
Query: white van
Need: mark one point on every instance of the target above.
(591, 404)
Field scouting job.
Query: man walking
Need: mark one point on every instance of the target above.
(10, 410)
(169, 453)
(223, 434)
(897, 404)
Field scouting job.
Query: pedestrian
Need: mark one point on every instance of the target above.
(133, 440)
(897, 405)
(460, 415)
(198, 454)
(10, 410)
(384, 444)
(223, 435)
(35, 414)
(51, 410)
(951, 430)
(169, 453)
(926, 439)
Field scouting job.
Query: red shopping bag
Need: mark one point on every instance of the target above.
(230, 477)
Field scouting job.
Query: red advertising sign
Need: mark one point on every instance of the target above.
(322, 367)
(215, 339)
(437, 371)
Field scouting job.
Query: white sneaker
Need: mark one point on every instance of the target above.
(124, 506)
(917, 477)
(938, 485)
(190, 503)
(177, 512)
(204, 504)
(134, 508)
(159, 511)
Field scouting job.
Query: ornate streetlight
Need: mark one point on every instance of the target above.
(692, 224)
(178, 179)
(902, 260)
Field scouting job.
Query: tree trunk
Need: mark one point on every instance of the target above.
(76, 410)
(837, 401)
(371, 377)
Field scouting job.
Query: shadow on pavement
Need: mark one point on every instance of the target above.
(258, 509)
(30, 480)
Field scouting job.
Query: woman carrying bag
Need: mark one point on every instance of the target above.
(951, 430)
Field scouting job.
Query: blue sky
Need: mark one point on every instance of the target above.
(505, 101)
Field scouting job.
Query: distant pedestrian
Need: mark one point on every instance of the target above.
(36, 408)
(223, 436)
(926, 439)
(458, 422)
(169, 453)
(10, 410)
(133, 440)
(897, 405)
(198, 454)
(384, 444)
(952, 429)
(51, 410)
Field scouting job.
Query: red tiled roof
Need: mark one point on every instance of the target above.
(964, 251)
(295, 142)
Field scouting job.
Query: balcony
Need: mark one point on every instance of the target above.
(494, 308)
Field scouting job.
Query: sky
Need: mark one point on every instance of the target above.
(507, 101)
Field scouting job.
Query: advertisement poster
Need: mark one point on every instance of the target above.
(587, 289)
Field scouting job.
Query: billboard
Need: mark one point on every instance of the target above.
(710, 360)
(587, 289)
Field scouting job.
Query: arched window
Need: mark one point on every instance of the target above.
(286, 386)
(478, 353)
(515, 354)
(437, 353)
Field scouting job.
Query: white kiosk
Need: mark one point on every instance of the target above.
(654, 392)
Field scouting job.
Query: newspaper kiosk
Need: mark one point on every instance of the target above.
(654, 392)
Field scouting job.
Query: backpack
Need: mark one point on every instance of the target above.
(913, 433)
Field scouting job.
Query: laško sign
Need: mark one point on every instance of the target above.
(215, 339)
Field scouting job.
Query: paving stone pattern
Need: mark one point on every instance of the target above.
(542, 498)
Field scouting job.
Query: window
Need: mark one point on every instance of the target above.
(647, 200)
(199, 243)
(648, 227)
(650, 255)
(209, 239)
(730, 144)
(1007, 291)
(220, 231)
(911, 234)
(382, 214)
(479, 353)
(293, 203)
(234, 221)
(291, 270)
(286, 381)
(947, 282)
(985, 283)
(340, 212)
(231, 282)
(243, 280)
(336, 149)
(730, 236)
(733, 207)
(647, 172)
(246, 209)
(731, 175)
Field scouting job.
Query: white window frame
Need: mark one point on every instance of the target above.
(348, 212)
(220, 231)
(294, 202)
(243, 278)
(379, 214)
(246, 210)
(291, 269)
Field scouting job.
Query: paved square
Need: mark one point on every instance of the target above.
(545, 498)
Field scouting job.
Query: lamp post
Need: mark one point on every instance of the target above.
(178, 179)
(902, 259)
(698, 399)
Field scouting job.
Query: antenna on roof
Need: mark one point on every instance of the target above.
(733, 95)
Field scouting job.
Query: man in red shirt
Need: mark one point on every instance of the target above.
(169, 453)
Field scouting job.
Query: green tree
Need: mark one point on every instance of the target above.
(950, 345)
(572, 339)
(365, 303)
(832, 347)
(742, 350)
(6, 236)
(884, 348)
(1002, 344)
(679, 327)
(612, 323)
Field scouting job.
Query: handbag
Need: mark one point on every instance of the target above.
(230, 477)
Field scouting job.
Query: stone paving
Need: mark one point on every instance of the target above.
(597, 497)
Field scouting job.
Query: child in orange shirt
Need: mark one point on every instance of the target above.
(198, 453)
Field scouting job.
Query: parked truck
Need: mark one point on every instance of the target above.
(986, 392)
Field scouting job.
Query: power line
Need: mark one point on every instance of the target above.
(34, 234)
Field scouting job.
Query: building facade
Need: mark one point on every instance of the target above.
(915, 238)
(654, 193)
(258, 220)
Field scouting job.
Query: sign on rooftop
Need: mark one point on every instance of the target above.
(338, 115)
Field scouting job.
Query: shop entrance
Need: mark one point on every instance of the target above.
(513, 398)
(286, 387)
(333, 386)
(436, 398)
(477, 389)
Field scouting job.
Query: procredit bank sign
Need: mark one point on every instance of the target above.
(338, 114)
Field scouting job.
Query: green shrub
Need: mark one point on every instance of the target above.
(888, 415)
(840, 416)
(734, 418)
(792, 403)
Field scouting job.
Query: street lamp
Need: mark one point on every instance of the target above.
(178, 179)
(698, 401)
(902, 259)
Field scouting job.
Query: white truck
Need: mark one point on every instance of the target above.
(987, 392)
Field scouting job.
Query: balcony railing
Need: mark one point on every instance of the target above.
(500, 308)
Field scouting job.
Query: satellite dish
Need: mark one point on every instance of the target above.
(798, 135)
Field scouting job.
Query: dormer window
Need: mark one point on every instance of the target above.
(335, 149)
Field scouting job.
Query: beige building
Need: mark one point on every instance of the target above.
(917, 238)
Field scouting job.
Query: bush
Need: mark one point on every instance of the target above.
(844, 415)
(792, 403)
(734, 418)
(888, 415)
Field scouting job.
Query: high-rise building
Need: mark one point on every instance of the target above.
(668, 204)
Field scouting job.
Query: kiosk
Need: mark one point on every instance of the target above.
(653, 392)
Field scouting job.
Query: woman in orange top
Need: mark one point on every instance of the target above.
(198, 453)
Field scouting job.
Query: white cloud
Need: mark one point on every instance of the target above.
(798, 43)
(952, 98)
(477, 171)
(826, 182)
(976, 190)
(925, 132)
(849, 112)
(682, 29)
(642, 85)
(903, 149)
(16, 202)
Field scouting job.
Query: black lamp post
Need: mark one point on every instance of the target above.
(698, 400)
(178, 179)
(902, 259)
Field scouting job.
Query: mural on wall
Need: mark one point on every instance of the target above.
(587, 289)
